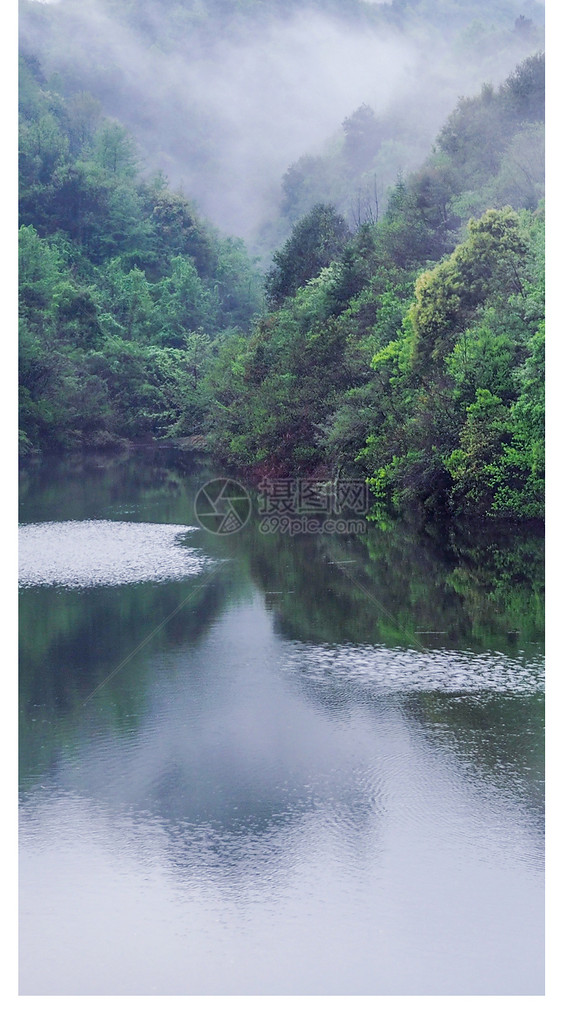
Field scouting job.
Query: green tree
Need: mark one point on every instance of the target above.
(128, 303)
(364, 135)
(473, 464)
(178, 231)
(317, 240)
(184, 303)
(448, 296)
(115, 151)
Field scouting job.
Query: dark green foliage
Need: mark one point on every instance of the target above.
(410, 351)
(417, 224)
(317, 240)
(178, 230)
(430, 385)
(124, 291)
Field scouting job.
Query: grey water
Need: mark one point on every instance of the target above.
(260, 764)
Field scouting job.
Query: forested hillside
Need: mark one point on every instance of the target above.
(396, 336)
(260, 109)
(123, 289)
(413, 349)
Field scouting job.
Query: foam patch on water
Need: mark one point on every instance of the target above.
(81, 554)
(391, 670)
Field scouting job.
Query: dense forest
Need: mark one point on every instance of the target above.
(395, 333)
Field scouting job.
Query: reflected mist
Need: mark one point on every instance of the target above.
(300, 783)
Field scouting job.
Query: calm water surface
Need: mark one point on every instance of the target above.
(270, 764)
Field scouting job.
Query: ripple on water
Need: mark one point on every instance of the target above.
(405, 669)
(81, 554)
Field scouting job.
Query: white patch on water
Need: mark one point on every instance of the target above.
(389, 670)
(81, 554)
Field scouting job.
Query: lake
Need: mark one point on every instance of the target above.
(264, 763)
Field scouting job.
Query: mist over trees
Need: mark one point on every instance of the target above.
(395, 327)
(411, 357)
(225, 96)
(123, 288)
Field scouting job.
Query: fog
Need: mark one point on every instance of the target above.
(225, 113)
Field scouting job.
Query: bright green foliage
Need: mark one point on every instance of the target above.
(482, 359)
(184, 303)
(430, 386)
(519, 473)
(129, 303)
(448, 296)
(481, 440)
(464, 422)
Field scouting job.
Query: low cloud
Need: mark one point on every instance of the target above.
(225, 120)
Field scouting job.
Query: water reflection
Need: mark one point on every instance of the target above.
(291, 788)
